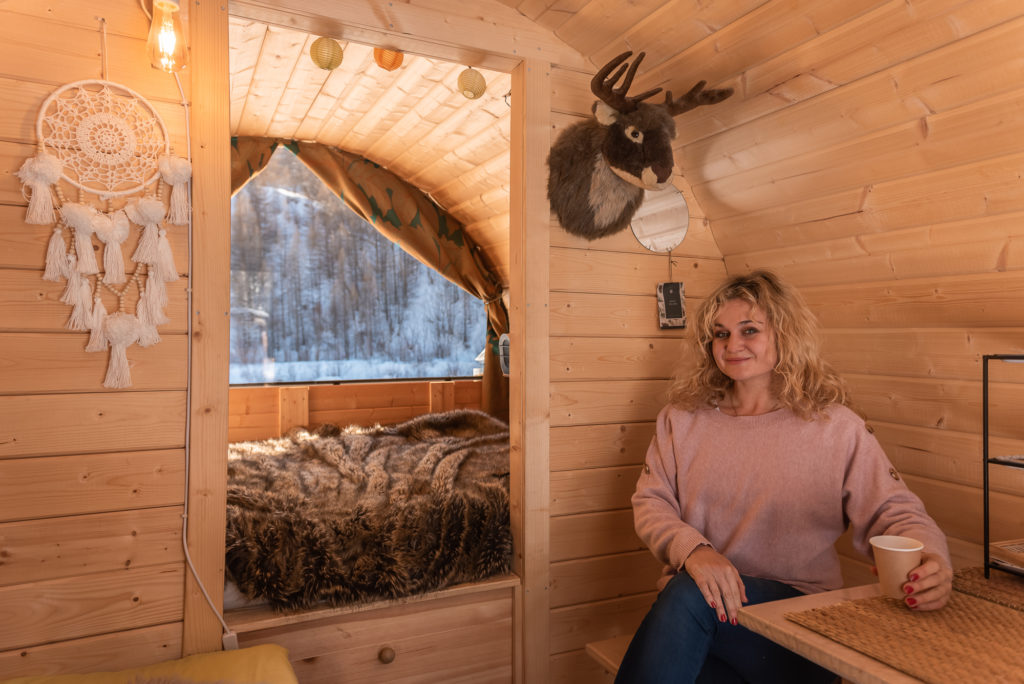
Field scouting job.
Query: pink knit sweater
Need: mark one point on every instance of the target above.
(772, 493)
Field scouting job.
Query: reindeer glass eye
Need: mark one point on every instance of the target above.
(634, 134)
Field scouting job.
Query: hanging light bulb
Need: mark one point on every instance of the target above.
(326, 53)
(389, 60)
(472, 83)
(166, 42)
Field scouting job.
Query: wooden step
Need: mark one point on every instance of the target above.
(609, 652)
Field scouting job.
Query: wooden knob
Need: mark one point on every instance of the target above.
(386, 655)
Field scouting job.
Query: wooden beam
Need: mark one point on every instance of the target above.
(529, 401)
(293, 408)
(494, 36)
(210, 317)
(442, 396)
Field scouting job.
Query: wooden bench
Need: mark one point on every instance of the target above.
(609, 652)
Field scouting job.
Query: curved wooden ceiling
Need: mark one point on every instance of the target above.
(413, 120)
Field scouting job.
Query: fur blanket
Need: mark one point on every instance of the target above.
(358, 514)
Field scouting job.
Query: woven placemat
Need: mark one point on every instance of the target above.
(1003, 588)
(970, 641)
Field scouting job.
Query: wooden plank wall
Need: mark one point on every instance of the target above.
(871, 156)
(270, 411)
(876, 164)
(91, 480)
(609, 369)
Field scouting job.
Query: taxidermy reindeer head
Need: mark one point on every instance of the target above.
(599, 168)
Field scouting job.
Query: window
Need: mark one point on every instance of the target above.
(317, 294)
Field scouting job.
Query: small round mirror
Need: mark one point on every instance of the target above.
(661, 221)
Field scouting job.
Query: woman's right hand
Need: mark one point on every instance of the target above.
(718, 580)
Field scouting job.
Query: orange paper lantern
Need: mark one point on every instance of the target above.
(388, 60)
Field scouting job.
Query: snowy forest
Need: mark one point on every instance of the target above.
(317, 294)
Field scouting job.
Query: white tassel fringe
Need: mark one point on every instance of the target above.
(56, 256)
(38, 173)
(97, 335)
(122, 330)
(163, 268)
(176, 172)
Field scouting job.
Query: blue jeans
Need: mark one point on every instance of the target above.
(681, 640)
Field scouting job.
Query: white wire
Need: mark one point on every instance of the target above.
(188, 390)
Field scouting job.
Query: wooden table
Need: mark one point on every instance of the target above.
(767, 619)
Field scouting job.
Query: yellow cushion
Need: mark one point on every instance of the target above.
(264, 664)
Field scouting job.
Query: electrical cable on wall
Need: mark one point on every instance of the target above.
(229, 638)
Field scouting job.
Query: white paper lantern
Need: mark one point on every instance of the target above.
(472, 83)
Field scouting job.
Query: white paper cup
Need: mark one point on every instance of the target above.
(895, 557)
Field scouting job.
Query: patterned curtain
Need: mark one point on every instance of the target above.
(406, 216)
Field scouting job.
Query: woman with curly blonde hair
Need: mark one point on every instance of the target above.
(757, 466)
(803, 381)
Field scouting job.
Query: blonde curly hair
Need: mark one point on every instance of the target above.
(803, 381)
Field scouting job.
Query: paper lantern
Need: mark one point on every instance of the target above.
(326, 53)
(388, 60)
(472, 83)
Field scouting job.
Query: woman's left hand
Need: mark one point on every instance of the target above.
(930, 583)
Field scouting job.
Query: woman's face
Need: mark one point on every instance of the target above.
(743, 344)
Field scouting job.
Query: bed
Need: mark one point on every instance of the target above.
(340, 516)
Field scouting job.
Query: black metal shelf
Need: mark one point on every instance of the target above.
(987, 461)
(1005, 567)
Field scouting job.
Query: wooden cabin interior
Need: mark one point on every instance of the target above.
(872, 155)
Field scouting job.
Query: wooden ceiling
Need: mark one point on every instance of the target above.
(413, 120)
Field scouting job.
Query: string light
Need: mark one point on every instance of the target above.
(165, 44)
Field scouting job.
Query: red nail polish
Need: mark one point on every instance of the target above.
(913, 578)
(733, 622)
(911, 602)
(908, 589)
(714, 605)
(721, 618)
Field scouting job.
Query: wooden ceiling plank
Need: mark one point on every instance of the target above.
(460, 126)
(347, 80)
(401, 95)
(558, 13)
(278, 55)
(933, 83)
(497, 167)
(325, 104)
(598, 22)
(301, 90)
(843, 55)
(468, 185)
(245, 39)
(410, 127)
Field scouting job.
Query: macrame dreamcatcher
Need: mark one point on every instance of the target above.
(109, 143)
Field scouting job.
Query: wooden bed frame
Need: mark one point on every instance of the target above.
(261, 412)
(461, 633)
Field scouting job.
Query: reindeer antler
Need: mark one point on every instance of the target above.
(695, 98)
(603, 86)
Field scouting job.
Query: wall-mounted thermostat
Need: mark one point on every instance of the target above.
(671, 313)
